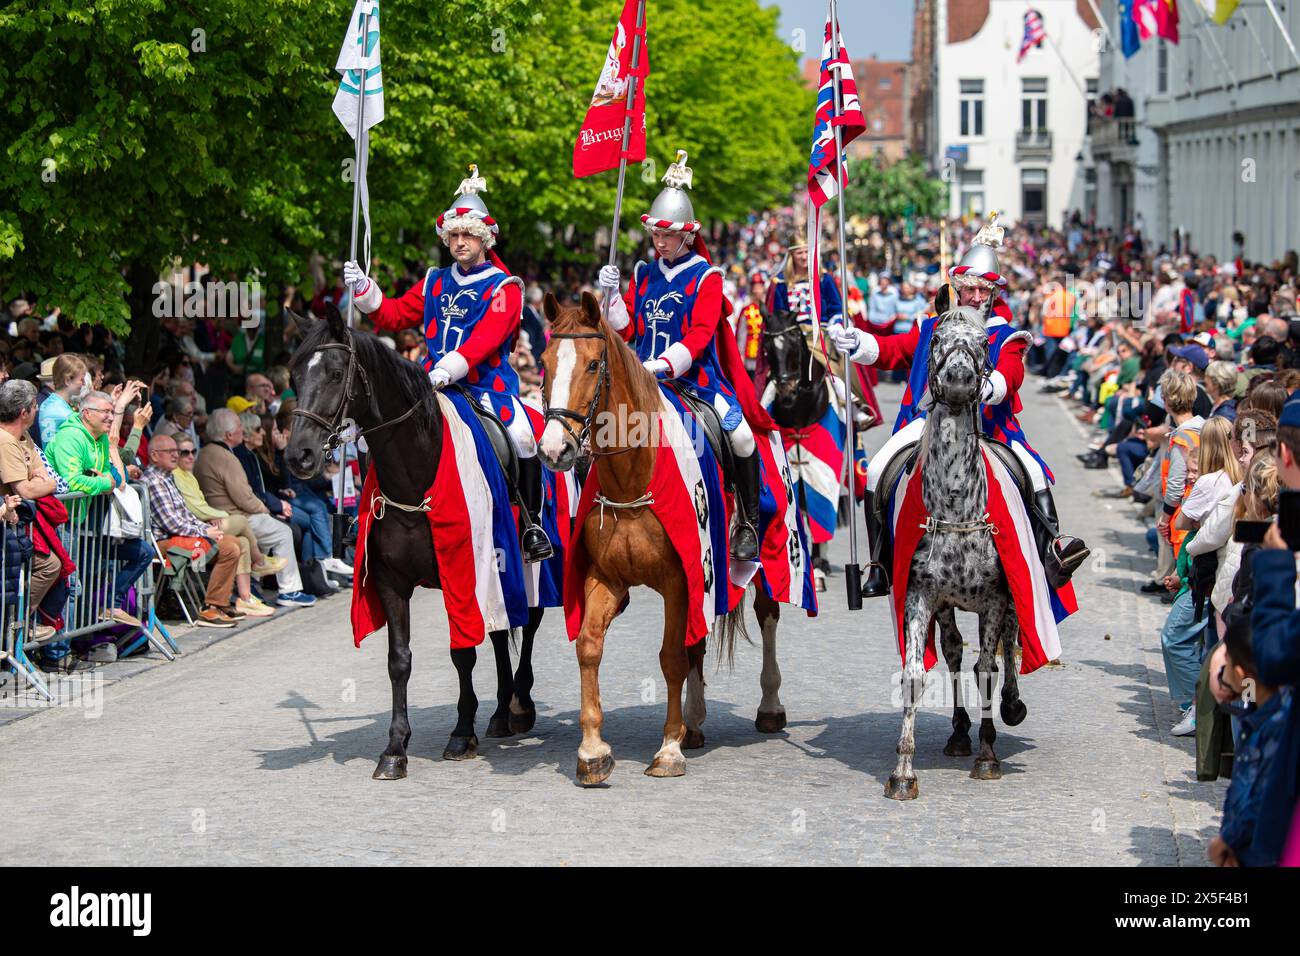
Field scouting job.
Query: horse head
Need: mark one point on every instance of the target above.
(959, 356)
(789, 358)
(576, 364)
(329, 381)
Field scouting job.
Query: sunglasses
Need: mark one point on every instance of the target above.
(187, 453)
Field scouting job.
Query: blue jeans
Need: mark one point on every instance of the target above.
(1131, 452)
(136, 556)
(311, 515)
(1181, 640)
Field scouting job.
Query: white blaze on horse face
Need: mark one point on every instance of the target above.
(553, 437)
(315, 360)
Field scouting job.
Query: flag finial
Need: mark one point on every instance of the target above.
(679, 174)
(473, 184)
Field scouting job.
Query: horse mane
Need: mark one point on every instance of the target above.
(382, 364)
(623, 362)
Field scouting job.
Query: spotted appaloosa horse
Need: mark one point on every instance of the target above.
(342, 375)
(955, 564)
(590, 372)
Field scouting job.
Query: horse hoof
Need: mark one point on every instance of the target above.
(592, 773)
(901, 788)
(1013, 711)
(674, 766)
(958, 746)
(770, 723)
(499, 726)
(986, 770)
(522, 723)
(461, 748)
(391, 767)
(693, 740)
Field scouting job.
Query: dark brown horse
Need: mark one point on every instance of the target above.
(592, 375)
(341, 377)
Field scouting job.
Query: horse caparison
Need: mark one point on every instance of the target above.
(341, 374)
(602, 375)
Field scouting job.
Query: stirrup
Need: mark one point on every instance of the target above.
(536, 545)
(876, 583)
(1065, 555)
(740, 547)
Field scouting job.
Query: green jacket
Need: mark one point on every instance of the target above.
(73, 452)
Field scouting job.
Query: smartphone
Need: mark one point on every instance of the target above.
(1288, 518)
(1250, 532)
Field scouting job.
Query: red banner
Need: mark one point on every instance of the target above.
(600, 141)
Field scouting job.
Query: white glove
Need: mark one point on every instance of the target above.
(438, 378)
(353, 276)
(608, 278)
(656, 366)
(847, 340)
(986, 391)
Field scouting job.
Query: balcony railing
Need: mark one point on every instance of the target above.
(1034, 144)
(1110, 135)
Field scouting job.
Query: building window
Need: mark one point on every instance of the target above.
(1033, 103)
(972, 107)
(1033, 196)
(1162, 67)
(972, 192)
(884, 83)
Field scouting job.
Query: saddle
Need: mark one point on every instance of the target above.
(908, 454)
(711, 422)
(496, 432)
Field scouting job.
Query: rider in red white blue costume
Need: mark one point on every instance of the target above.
(670, 315)
(470, 313)
(976, 278)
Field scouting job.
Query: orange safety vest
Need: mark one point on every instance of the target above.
(1058, 307)
(1190, 442)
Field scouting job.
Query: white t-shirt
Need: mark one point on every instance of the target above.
(1207, 490)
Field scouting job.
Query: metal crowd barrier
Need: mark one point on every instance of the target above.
(91, 590)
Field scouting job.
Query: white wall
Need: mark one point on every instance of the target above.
(991, 55)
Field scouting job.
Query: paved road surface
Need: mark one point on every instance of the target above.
(259, 748)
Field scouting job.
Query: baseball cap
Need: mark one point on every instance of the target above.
(238, 404)
(1290, 413)
(1193, 353)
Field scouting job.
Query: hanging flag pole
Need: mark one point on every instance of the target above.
(360, 80)
(853, 570)
(1286, 35)
(627, 135)
(359, 158)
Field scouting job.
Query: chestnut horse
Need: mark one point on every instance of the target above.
(592, 374)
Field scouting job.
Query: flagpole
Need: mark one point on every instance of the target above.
(627, 135)
(852, 570)
(1286, 36)
(358, 159)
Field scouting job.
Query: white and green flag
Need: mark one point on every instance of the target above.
(360, 54)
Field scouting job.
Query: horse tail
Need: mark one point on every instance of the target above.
(726, 629)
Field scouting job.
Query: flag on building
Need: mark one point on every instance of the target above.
(827, 173)
(1156, 18)
(600, 141)
(359, 67)
(1129, 39)
(1220, 11)
(1034, 33)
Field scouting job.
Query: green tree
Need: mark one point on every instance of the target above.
(144, 132)
(893, 190)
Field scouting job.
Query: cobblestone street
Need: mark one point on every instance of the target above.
(259, 748)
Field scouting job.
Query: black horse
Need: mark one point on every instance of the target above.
(342, 375)
(800, 392)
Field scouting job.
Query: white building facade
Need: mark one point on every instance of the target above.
(1010, 135)
(1214, 147)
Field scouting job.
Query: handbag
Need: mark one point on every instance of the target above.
(126, 516)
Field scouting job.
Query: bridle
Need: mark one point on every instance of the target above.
(782, 378)
(354, 375)
(555, 413)
(979, 358)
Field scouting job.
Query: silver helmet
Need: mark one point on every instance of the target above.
(672, 210)
(981, 260)
(468, 212)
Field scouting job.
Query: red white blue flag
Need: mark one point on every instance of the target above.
(1034, 33)
(828, 172)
